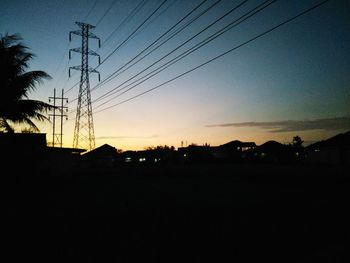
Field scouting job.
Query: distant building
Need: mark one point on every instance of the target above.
(238, 146)
(194, 153)
(232, 151)
(157, 155)
(335, 150)
(105, 156)
(273, 152)
(22, 151)
(28, 152)
(62, 161)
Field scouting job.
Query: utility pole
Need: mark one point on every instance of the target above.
(84, 136)
(57, 137)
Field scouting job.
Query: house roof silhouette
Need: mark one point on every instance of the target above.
(237, 143)
(103, 151)
(272, 146)
(341, 140)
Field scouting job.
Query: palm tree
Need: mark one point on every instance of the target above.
(16, 84)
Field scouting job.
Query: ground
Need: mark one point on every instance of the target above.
(181, 213)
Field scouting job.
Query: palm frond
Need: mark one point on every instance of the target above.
(27, 109)
(5, 126)
(22, 84)
(16, 83)
(8, 40)
(31, 124)
(32, 107)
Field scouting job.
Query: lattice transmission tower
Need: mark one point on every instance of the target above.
(57, 138)
(84, 136)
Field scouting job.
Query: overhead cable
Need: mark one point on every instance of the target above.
(219, 56)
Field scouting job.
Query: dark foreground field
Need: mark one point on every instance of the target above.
(180, 213)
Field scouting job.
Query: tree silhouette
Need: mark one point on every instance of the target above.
(298, 148)
(16, 83)
(297, 142)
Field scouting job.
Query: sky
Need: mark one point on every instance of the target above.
(292, 81)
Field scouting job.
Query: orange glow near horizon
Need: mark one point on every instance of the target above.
(211, 136)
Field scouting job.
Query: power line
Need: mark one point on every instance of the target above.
(219, 56)
(159, 6)
(59, 66)
(176, 32)
(178, 47)
(151, 21)
(106, 12)
(114, 74)
(92, 8)
(126, 19)
(143, 26)
(156, 71)
(161, 13)
(116, 88)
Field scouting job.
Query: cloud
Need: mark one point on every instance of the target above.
(125, 137)
(329, 124)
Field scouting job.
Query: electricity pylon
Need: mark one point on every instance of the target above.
(57, 137)
(84, 127)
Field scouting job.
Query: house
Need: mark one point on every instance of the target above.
(273, 151)
(105, 156)
(129, 157)
(28, 152)
(62, 161)
(194, 153)
(234, 150)
(335, 150)
(22, 151)
(156, 155)
(238, 146)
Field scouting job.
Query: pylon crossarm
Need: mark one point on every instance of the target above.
(90, 69)
(75, 50)
(75, 67)
(78, 49)
(92, 35)
(81, 24)
(75, 32)
(93, 53)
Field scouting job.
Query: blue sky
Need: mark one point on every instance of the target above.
(298, 73)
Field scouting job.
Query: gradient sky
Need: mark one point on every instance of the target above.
(292, 81)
